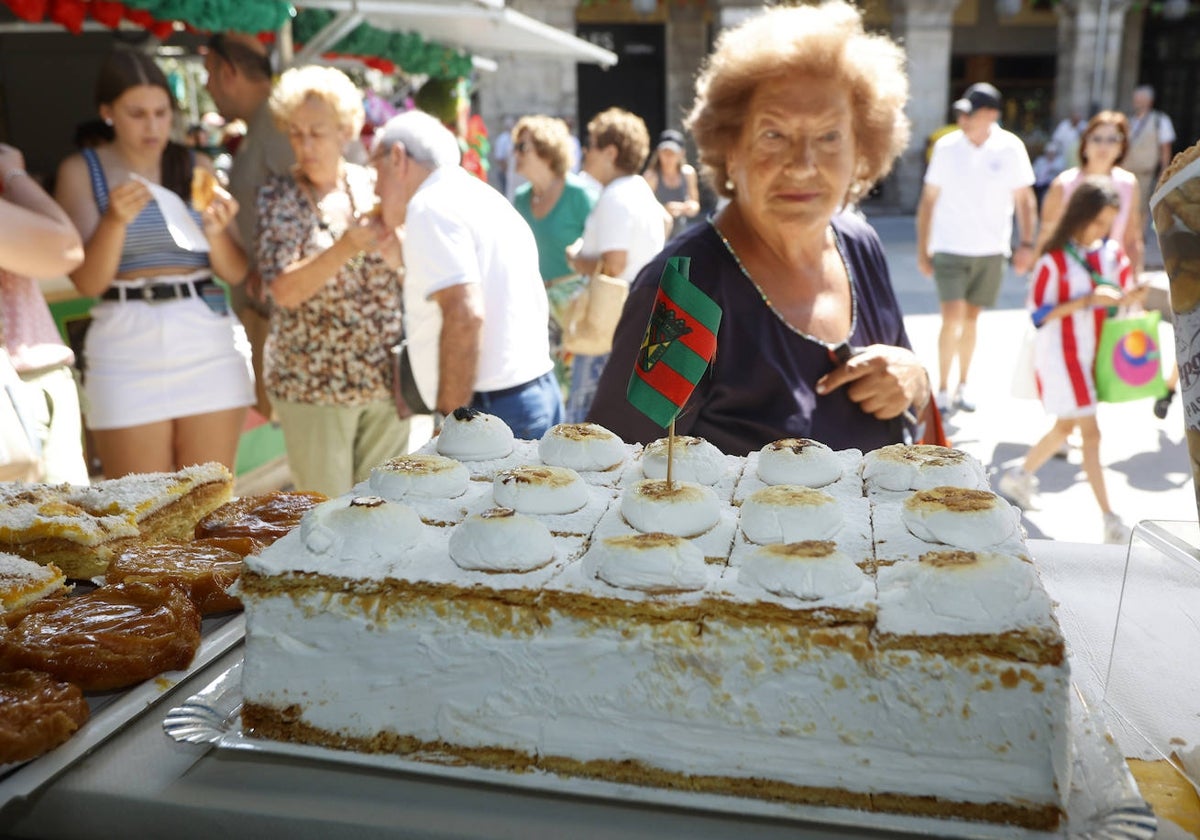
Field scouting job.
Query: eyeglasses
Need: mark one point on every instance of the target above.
(523, 147)
(1107, 139)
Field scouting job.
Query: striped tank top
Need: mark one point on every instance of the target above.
(148, 243)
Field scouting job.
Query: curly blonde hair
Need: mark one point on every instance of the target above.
(327, 84)
(627, 131)
(551, 140)
(826, 41)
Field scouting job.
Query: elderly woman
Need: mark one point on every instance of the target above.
(1101, 147)
(167, 383)
(626, 228)
(797, 113)
(333, 277)
(555, 201)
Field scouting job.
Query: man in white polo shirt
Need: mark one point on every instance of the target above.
(976, 178)
(475, 309)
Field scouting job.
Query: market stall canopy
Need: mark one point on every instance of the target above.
(485, 31)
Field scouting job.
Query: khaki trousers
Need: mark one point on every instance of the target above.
(330, 448)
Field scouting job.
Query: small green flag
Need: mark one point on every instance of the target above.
(680, 341)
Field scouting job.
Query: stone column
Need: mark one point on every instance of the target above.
(1089, 50)
(925, 28)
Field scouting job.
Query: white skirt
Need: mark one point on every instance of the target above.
(149, 362)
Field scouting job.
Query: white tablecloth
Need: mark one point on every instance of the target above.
(141, 783)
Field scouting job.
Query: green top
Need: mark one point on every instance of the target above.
(558, 228)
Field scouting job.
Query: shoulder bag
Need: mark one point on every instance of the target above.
(1129, 359)
(591, 315)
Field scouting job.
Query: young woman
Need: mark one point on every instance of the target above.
(1080, 274)
(166, 384)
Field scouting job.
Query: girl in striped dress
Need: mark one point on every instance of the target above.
(1080, 275)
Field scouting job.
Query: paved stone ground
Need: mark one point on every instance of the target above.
(1145, 459)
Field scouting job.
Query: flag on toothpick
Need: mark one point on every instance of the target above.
(680, 341)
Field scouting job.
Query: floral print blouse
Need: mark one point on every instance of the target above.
(333, 349)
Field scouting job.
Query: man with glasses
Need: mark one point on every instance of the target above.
(472, 288)
(239, 81)
(975, 180)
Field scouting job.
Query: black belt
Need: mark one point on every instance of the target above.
(158, 291)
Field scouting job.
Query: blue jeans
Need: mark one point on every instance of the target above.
(529, 409)
(585, 376)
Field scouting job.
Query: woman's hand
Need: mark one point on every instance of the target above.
(10, 158)
(219, 213)
(1105, 296)
(126, 201)
(884, 380)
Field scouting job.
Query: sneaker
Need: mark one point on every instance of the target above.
(943, 401)
(963, 398)
(1020, 488)
(1163, 404)
(1115, 531)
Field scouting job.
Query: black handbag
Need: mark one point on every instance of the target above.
(404, 386)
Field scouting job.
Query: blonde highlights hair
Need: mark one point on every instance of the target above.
(326, 84)
(826, 41)
(551, 140)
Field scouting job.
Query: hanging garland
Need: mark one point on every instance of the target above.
(157, 16)
(406, 50)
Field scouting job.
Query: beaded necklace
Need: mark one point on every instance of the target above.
(838, 350)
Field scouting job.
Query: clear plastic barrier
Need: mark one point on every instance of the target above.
(1152, 690)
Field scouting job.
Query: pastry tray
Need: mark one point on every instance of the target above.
(111, 711)
(1104, 803)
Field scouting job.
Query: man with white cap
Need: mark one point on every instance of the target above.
(976, 178)
(472, 288)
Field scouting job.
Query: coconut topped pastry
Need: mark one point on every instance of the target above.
(653, 562)
(921, 467)
(695, 459)
(540, 489)
(786, 513)
(581, 446)
(811, 570)
(501, 540)
(799, 461)
(682, 508)
(471, 435)
(428, 476)
(359, 528)
(958, 516)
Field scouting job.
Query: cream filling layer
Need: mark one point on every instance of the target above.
(717, 699)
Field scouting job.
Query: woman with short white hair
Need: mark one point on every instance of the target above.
(332, 275)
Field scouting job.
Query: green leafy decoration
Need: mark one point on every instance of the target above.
(407, 50)
(251, 16)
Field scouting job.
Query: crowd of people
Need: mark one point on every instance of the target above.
(360, 294)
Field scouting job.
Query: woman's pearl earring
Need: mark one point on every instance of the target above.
(729, 185)
(108, 121)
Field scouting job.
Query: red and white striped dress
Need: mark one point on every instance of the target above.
(1065, 355)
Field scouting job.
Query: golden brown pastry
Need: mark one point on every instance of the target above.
(37, 713)
(113, 637)
(203, 568)
(203, 185)
(264, 518)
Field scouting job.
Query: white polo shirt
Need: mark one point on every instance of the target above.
(973, 216)
(460, 230)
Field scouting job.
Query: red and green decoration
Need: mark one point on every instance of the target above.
(157, 16)
(679, 344)
(407, 51)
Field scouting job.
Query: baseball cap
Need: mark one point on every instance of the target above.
(979, 95)
(671, 139)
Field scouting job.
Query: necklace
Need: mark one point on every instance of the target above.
(341, 185)
(835, 349)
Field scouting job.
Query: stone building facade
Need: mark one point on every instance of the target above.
(1047, 57)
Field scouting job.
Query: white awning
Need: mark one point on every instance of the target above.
(484, 31)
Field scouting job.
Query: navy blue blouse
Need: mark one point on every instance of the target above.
(760, 387)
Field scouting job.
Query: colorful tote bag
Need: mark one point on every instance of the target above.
(1129, 359)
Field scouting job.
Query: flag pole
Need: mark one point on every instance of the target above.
(670, 450)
